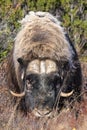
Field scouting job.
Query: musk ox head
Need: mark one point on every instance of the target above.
(47, 70)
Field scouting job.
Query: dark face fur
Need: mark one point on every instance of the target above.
(40, 83)
(41, 91)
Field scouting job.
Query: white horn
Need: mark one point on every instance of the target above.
(17, 94)
(50, 66)
(62, 94)
(34, 66)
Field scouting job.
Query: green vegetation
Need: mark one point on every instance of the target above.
(73, 14)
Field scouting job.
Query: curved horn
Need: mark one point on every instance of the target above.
(17, 94)
(62, 94)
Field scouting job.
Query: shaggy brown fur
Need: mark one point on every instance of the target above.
(37, 40)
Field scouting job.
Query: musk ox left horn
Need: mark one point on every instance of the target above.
(17, 94)
(63, 94)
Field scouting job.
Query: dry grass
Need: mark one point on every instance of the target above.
(65, 120)
(74, 119)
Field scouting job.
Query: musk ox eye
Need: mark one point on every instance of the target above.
(28, 83)
(28, 86)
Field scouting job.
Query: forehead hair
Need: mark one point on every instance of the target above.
(32, 16)
(41, 36)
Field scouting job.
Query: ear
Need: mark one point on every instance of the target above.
(20, 61)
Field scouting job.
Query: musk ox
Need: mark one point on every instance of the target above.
(44, 66)
(43, 69)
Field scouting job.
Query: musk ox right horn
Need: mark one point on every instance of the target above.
(17, 94)
(62, 94)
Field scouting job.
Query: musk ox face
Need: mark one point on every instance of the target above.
(41, 86)
(42, 83)
(47, 70)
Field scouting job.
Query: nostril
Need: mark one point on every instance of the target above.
(50, 93)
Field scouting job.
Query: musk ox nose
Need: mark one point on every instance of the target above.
(42, 112)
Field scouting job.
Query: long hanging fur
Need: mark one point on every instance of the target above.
(41, 36)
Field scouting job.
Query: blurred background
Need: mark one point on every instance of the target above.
(71, 13)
